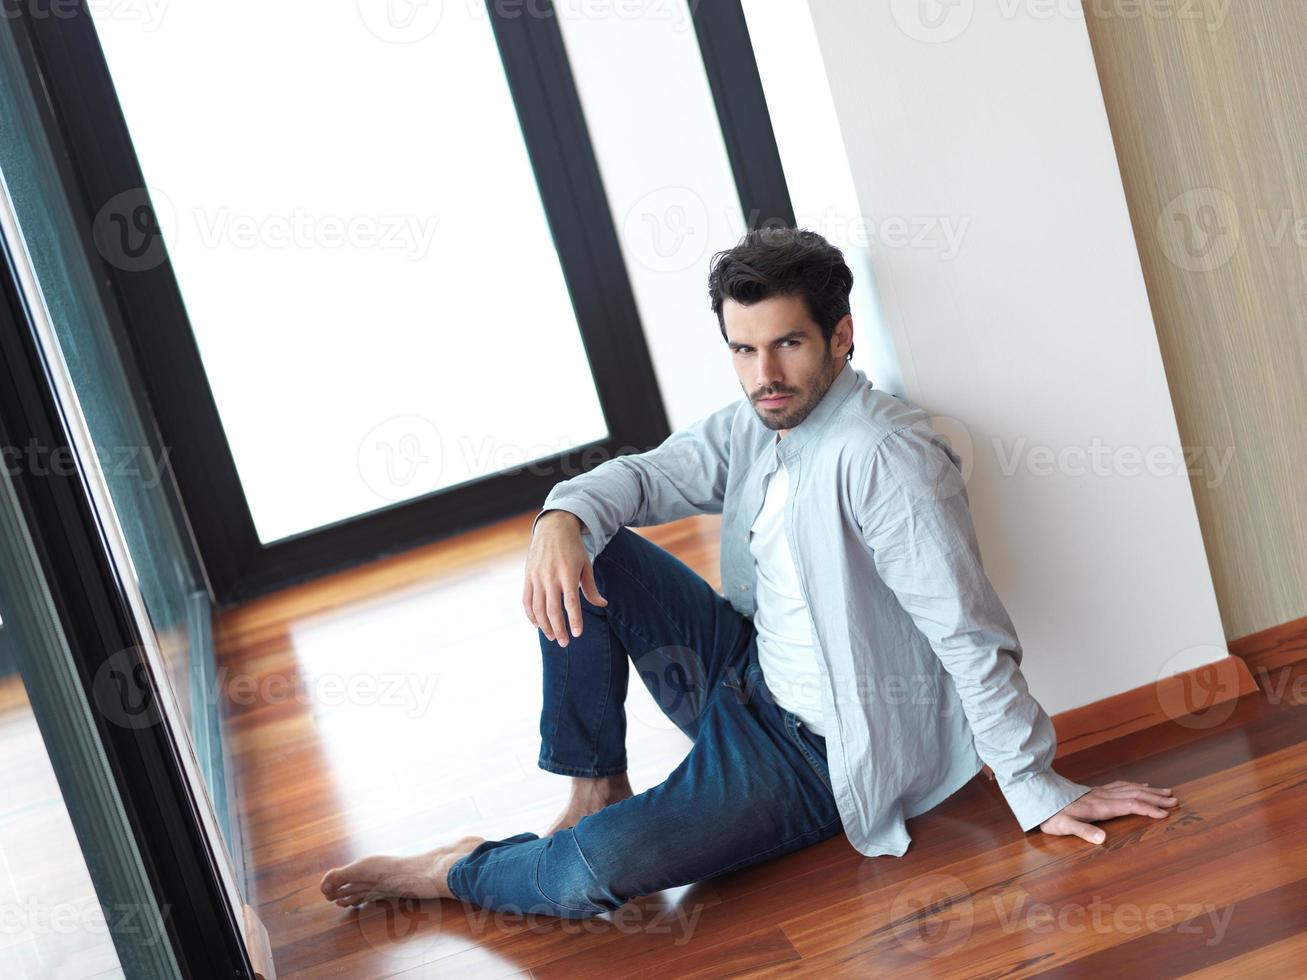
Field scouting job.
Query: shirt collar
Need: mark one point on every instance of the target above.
(811, 427)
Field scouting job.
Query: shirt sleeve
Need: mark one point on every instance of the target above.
(911, 503)
(682, 476)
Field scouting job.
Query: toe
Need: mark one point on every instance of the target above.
(332, 880)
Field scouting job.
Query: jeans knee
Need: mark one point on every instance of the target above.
(565, 878)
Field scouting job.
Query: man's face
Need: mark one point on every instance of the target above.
(783, 362)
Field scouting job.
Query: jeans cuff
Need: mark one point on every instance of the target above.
(589, 772)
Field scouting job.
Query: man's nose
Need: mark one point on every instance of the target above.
(767, 373)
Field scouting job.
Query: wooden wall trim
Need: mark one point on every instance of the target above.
(1195, 693)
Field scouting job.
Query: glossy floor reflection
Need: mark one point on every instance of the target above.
(394, 707)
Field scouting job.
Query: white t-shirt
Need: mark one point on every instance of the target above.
(785, 648)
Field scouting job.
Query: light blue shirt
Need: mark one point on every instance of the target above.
(921, 661)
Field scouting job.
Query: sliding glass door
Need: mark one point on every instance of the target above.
(364, 260)
(112, 858)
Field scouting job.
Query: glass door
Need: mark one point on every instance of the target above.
(365, 262)
(112, 860)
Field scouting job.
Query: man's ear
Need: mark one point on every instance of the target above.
(842, 335)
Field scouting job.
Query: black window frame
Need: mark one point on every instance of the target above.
(86, 126)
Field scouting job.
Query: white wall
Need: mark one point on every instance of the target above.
(1035, 332)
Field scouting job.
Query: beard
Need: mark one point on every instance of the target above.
(802, 402)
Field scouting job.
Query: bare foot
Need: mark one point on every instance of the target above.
(589, 796)
(383, 876)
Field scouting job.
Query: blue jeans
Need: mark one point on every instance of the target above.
(753, 786)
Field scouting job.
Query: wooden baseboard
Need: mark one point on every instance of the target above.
(1273, 648)
(1191, 692)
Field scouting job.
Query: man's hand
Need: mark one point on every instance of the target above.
(1105, 802)
(555, 562)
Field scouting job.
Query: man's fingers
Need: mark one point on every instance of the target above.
(1148, 809)
(528, 606)
(554, 608)
(1088, 831)
(589, 587)
(542, 614)
(1161, 799)
(573, 604)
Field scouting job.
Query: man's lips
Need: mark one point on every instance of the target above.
(773, 400)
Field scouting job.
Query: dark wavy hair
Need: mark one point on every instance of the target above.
(774, 261)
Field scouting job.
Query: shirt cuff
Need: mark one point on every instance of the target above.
(1038, 797)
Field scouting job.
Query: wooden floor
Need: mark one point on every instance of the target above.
(394, 707)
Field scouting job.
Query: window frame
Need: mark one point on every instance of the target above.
(87, 126)
(89, 133)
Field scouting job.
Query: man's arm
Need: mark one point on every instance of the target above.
(683, 475)
(912, 508)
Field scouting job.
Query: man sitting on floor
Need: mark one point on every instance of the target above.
(858, 670)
